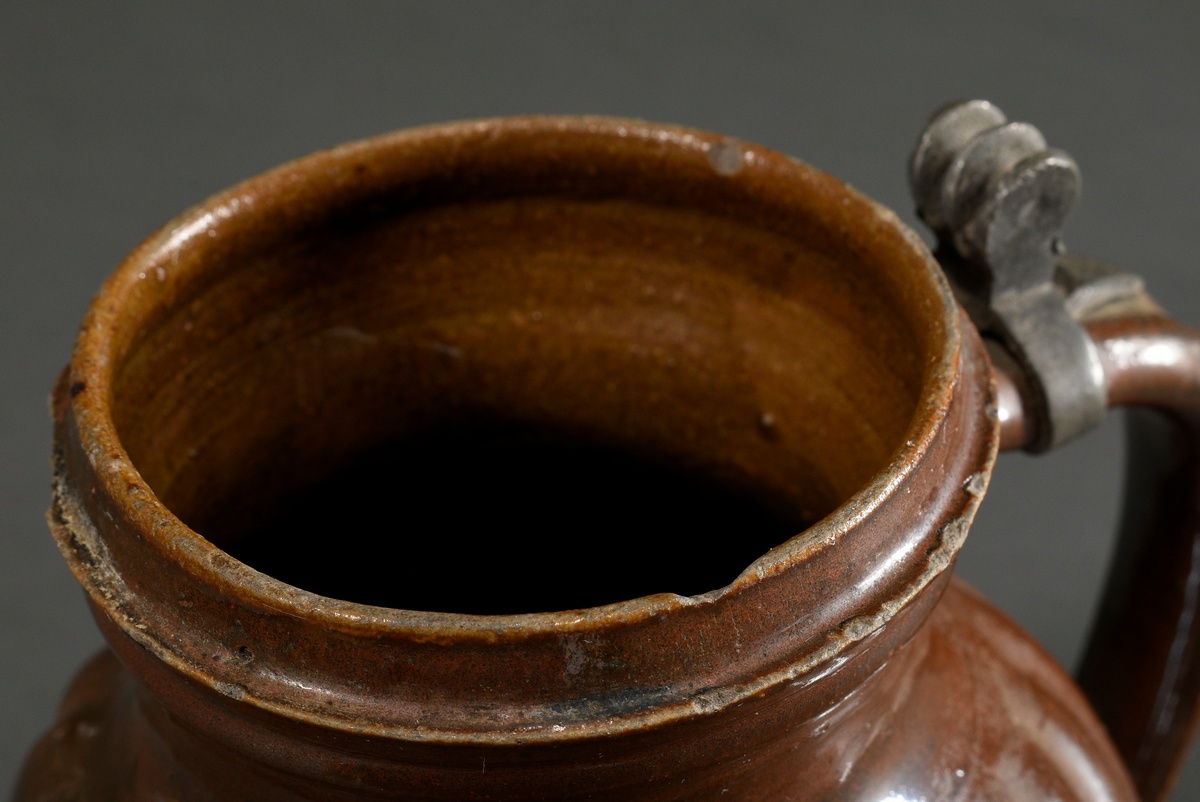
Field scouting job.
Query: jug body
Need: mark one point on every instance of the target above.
(969, 709)
(518, 294)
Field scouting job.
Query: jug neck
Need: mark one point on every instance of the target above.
(799, 633)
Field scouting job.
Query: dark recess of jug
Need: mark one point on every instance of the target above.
(495, 519)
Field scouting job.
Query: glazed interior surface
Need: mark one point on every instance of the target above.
(521, 395)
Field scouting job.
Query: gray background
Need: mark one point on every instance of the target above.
(115, 117)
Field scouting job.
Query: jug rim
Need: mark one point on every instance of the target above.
(90, 445)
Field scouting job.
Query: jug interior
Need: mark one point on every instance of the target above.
(492, 518)
(519, 397)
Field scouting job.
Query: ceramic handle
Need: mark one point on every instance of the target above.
(1141, 668)
(1070, 338)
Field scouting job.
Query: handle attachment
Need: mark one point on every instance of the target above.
(1070, 338)
(997, 198)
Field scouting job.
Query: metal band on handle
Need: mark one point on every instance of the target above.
(997, 198)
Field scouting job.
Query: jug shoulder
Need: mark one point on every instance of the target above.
(987, 714)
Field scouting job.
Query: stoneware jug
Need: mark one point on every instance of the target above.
(582, 458)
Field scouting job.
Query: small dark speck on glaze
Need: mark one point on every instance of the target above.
(768, 426)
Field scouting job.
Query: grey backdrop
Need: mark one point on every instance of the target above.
(115, 117)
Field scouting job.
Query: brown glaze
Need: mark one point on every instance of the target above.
(1142, 665)
(1017, 429)
(729, 316)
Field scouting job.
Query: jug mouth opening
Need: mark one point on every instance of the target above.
(364, 311)
(304, 373)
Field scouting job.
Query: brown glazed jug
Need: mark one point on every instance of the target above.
(592, 459)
